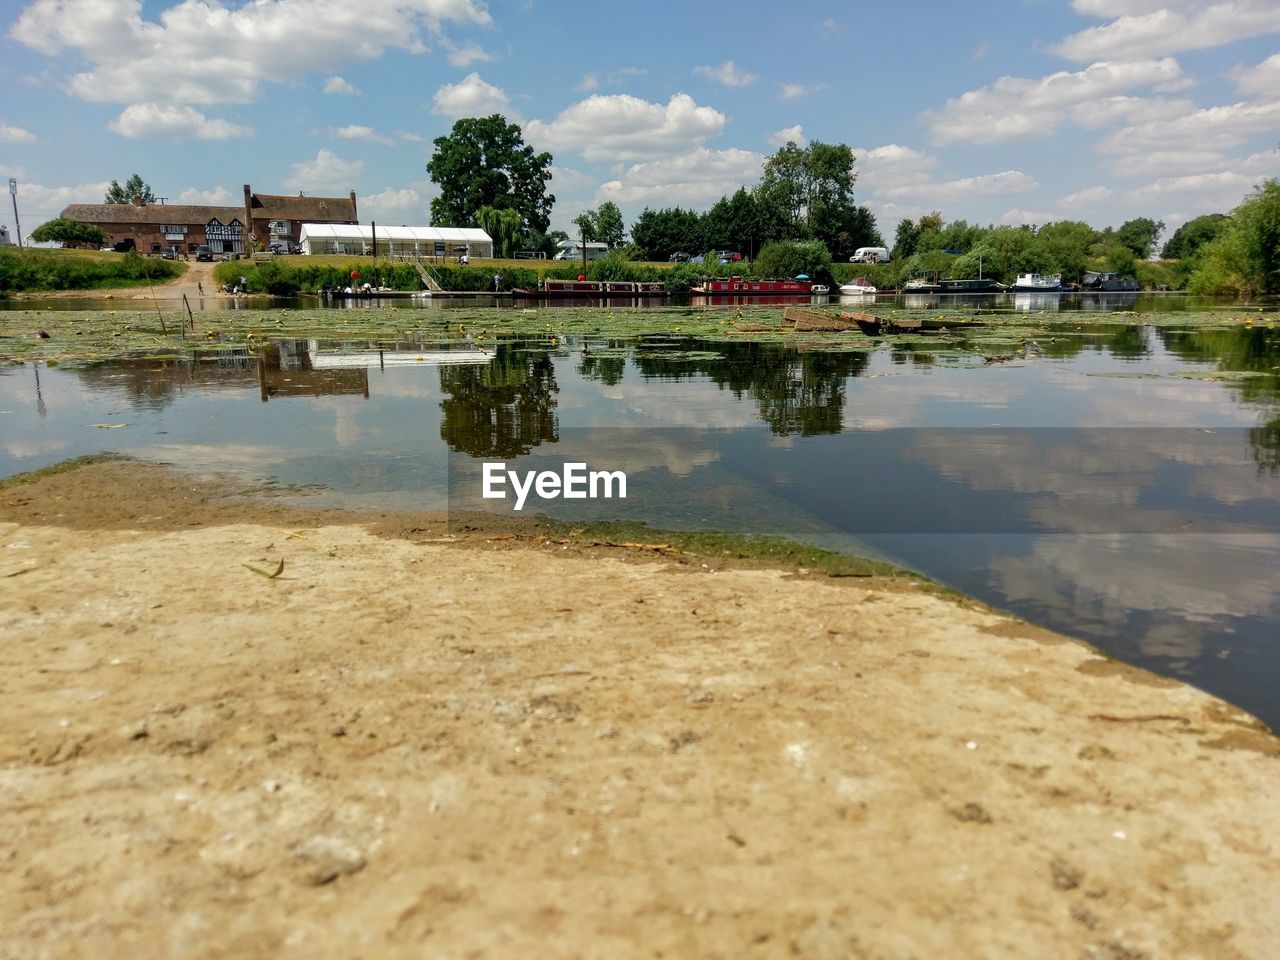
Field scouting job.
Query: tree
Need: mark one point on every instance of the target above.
(905, 239)
(503, 226)
(609, 226)
(1193, 235)
(790, 258)
(484, 162)
(1140, 235)
(68, 232)
(660, 233)
(133, 188)
(812, 186)
(1245, 258)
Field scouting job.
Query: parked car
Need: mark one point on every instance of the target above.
(679, 257)
(203, 253)
(729, 256)
(229, 256)
(169, 253)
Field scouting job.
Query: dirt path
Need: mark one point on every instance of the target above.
(402, 747)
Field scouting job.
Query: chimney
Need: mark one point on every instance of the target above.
(137, 199)
(248, 214)
(353, 207)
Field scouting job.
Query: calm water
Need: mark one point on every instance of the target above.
(1121, 484)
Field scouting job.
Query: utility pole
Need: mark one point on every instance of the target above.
(583, 233)
(13, 192)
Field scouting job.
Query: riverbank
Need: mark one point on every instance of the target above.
(507, 745)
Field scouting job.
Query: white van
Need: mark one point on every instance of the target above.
(870, 255)
(572, 250)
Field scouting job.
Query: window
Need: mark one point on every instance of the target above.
(281, 228)
(174, 231)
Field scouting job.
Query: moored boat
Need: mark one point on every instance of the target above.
(1038, 283)
(739, 287)
(1108, 282)
(858, 288)
(593, 288)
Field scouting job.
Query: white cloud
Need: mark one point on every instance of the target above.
(1222, 127)
(218, 196)
(340, 87)
(727, 73)
(38, 203)
(623, 128)
(698, 178)
(1263, 79)
(410, 137)
(1151, 30)
(326, 172)
(792, 91)
(1017, 216)
(156, 121)
(965, 188)
(12, 134)
(780, 138)
(356, 131)
(406, 205)
(890, 165)
(470, 97)
(1017, 107)
(1110, 111)
(1087, 197)
(465, 54)
(588, 83)
(207, 52)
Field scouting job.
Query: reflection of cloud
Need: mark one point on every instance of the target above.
(632, 451)
(1194, 577)
(217, 455)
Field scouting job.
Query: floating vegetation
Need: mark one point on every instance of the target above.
(85, 336)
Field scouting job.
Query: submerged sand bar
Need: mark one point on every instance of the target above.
(403, 747)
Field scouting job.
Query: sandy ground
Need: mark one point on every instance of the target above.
(403, 747)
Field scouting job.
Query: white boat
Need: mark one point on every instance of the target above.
(819, 288)
(859, 288)
(1036, 283)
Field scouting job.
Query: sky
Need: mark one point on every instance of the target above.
(1021, 111)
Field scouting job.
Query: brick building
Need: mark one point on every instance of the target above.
(226, 229)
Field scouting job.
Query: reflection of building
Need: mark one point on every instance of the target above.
(149, 228)
(285, 369)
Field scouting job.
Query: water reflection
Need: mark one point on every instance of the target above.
(1083, 530)
(502, 409)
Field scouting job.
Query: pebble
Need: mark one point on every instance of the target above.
(271, 786)
(325, 857)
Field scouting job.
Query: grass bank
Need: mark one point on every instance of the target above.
(35, 270)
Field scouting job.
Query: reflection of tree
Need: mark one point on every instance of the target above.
(503, 409)
(1126, 343)
(797, 392)
(155, 383)
(606, 368)
(1242, 350)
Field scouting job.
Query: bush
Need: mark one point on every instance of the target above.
(790, 258)
(25, 270)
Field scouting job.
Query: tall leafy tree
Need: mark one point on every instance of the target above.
(812, 186)
(133, 188)
(484, 162)
(1193, 235)
(1245, 258)
(660, 233)
(905, 239)
(1140, 235)
(503, 226)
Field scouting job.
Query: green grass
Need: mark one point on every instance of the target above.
(25, 270)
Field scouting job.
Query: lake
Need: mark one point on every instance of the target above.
(1116, 481)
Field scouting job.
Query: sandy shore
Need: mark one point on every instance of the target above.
(405, 747)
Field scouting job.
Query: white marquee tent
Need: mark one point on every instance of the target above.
(395, 242)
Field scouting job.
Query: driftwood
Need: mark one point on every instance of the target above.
(806, 320)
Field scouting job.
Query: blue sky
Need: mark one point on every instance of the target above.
(1005, 112)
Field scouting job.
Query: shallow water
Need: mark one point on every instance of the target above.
(1119, 483)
